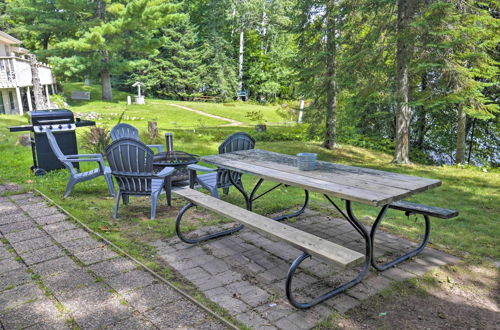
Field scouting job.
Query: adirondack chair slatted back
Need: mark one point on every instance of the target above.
(131, 163)
(234, 142)
(59, 154)
(124, 131)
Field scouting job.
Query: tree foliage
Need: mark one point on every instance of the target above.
(343, 56)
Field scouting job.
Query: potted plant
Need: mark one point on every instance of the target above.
(258, 117)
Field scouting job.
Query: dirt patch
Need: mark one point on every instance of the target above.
(455, 297)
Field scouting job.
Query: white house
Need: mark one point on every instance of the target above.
(16, 96)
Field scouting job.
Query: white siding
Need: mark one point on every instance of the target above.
(23, 72)
(15, 71)
(45, 74)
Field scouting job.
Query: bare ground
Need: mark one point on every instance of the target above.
(454, 297)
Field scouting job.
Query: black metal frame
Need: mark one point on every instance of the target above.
(360, 228)
(406, 256)
(349, 215)
(249, 205)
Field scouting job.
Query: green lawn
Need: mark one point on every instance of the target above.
(236, 110)
(160, 110)
(470, 190)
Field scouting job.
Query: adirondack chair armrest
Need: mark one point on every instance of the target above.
(85, 156)
(195, 167)
(159, 147)
(165, 172)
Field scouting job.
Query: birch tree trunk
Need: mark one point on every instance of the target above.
(240, 61)
(40, 103)
(461, 128)
(331, 83)
(406, 10)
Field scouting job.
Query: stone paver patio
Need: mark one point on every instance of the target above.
(55, 275)
(245, 273)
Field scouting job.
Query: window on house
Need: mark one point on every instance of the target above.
(12, 104)
(2, 108)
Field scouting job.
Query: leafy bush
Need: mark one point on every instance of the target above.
(374, 143)
(291, 133)
(256, 116)
(96, 139)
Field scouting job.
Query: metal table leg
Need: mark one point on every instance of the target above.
(252, 198)
(405, 256)
(360, 228)
(203, 238)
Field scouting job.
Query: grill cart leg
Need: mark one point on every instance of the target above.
(36, 170)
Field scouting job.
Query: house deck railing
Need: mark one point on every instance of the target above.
(16, 72)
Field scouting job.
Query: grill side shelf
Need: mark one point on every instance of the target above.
(81, 123)
(22, 128)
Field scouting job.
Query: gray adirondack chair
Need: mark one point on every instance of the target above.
(131, 163)
(219, 178)
(77, 176)
(128, 131)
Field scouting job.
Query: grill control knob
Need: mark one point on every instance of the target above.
(60, 126)
(50, 126)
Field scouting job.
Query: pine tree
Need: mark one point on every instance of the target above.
(176, 71)
(41, 23)
(122, 33)
(456, 46)
(214, 30)
(318, 29)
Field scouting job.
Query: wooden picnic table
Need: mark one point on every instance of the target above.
(357, 184)
(206, 98)
(376, 188)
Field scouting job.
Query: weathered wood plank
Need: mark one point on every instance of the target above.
(432, 211)
(391, 179)
(339, 177)
(309, 243)
(368, 186)
(333, 189)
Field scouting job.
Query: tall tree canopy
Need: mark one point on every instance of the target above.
(420, 76)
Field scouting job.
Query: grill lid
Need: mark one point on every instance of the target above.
(53, 116)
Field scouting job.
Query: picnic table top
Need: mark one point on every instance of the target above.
(358, 184)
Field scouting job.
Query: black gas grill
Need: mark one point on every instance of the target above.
(63, 124)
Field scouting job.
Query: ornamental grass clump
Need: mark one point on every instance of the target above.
(96, 139)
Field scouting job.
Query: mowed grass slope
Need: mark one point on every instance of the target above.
(162, 111)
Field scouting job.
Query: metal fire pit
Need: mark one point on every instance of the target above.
(178, 159)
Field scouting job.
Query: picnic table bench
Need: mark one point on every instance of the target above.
(207, 98)
(79, 95)
(351, 184)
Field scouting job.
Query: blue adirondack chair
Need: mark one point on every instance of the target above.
(128, 131)
(219, 178)
(77, 176)
(131, 163)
